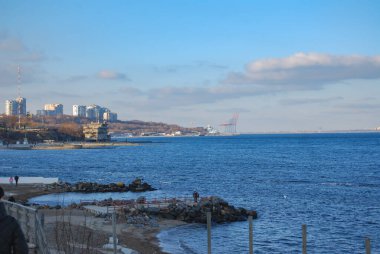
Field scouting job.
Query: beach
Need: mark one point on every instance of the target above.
(137, 237)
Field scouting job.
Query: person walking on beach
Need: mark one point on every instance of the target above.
(16, 179)
(12, 240)
(11, 180)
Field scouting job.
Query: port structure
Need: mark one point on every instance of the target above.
(230, 126)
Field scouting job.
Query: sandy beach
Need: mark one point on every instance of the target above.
(140, 238)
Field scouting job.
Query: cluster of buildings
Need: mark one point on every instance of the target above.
(51, 110)
(93, 112)
(15, 107)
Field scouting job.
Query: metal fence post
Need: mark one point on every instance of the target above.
(304, 239)
(114, 232)
(367, 246)
(43, 220)
(250, 234)
(208, 232)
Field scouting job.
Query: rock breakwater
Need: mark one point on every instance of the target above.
(142, 212)
(91, 187)
(220, 210)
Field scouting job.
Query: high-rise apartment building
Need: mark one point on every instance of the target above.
(95, 113)
(79, 110)
(11, 107)
(15, 107)
(54, 109)
(109, 116)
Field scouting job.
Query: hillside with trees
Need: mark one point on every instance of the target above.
(68, 128)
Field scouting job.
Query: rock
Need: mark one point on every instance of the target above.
(138, 185)
(141, 200)
(220, 210)
(152, 210)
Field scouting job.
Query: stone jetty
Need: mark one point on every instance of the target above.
(136, 185)
(220, 210)
(140, 211)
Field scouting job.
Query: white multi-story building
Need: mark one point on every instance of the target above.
(91, 112)
(54, 109)
(79, 110)
(94, 112)
(109, 116)
(11, 107)
(15, 107)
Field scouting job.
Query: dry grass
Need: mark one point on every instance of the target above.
(69, 238)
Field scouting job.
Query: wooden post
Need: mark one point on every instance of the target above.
(208, 232)
(367, 246)
(114, 232)
(250, 234)
(304, 239)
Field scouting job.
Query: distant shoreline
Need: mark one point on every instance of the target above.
(67, 146)
(313, 132)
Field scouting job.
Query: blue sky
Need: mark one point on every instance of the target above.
(283, 65)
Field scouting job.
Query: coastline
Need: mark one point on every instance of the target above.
(141, 238)
(69, 146)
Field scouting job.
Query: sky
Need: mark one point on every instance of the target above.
(281, 65)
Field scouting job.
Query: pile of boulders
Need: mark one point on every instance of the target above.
(89, 187)
(220, 210)
(138, 217)
(137, 185)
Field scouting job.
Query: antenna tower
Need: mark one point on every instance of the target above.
(19, 95)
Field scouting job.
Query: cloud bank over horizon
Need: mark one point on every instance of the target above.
(307, 70)
(298, 72)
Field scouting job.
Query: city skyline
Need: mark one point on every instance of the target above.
(283, 66)
(18, 106)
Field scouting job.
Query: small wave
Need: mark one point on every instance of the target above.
(347, 184)
(186, 248)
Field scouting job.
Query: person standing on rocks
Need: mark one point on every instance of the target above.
(11, 180)
(195, 196)
(12, 240)
(16, 179)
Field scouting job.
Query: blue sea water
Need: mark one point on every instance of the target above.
(331, 182)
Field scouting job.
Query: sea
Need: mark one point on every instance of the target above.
(329, 182)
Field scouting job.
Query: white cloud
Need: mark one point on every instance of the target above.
(310, 100)
(113, 75)
(307, 70)
(299, 72)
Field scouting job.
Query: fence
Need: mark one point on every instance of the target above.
(31, 225)
(250, 236)
(107, 207)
